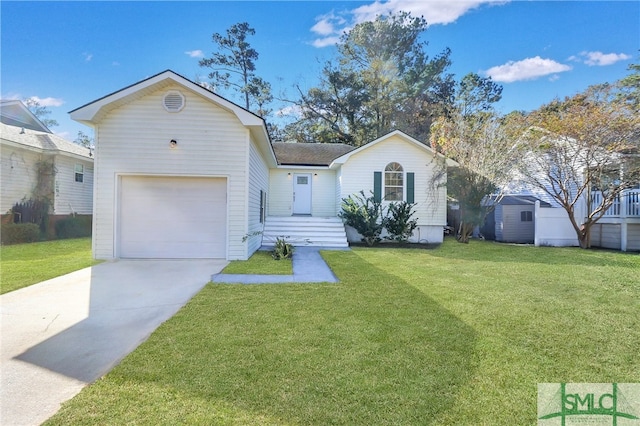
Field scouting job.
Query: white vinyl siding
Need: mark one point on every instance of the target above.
(18, 175)
(134, 139)
(71, 196)
(357, 175)
(323, 187)
(280, 201)
(323, 202)
(19, 170)
(258, 181)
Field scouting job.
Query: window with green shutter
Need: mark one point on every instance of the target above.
(393, 182)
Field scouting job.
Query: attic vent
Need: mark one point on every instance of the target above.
(173, 101)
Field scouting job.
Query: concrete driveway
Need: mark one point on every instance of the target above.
(61, 334)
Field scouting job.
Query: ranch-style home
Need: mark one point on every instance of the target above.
(181, 172)
(25, 145)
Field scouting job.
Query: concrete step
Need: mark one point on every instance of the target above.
(305, 231)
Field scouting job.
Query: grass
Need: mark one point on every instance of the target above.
(260, 263)
(457, 335)
(26, 264)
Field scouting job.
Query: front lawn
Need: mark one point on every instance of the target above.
(26, 264)
(461, 334)
(261, 262)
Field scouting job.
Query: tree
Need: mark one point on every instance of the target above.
(233, 66)
(41, 112)
(382, 79)
(83, 140)
(482, 142)
(476, 94)
(630, 87)
(588, 142)
(483, 145)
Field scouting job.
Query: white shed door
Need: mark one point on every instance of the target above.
(173, 217)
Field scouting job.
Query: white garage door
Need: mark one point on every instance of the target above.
(172, 217)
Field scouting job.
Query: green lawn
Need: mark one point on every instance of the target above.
(461, 334)
(24, 264)
(260, 263)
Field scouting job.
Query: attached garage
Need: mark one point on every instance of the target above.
(169, 217)
(179, 172)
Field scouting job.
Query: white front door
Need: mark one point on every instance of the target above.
(302, 193)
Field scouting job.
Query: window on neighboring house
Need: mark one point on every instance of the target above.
(393, 182)
(526, 216)
(79, 173)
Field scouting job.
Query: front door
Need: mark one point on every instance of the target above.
(302, 193)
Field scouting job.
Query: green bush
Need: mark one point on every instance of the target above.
(17, 233)
(364, 215)
(73, 227)
(398, 221)
(282, 250)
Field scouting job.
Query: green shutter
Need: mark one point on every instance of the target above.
(410, 187)
(377, 186)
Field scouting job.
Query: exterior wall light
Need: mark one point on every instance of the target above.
(173, 143)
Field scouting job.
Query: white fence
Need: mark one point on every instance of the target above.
(553, 228)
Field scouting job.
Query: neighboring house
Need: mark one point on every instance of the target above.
(618, 229)
(24, 143)
(512, 220)
(184, 173)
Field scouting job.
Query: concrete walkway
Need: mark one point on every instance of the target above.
(61, 334)
(308, 267)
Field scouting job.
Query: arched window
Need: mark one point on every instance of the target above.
(393, 182)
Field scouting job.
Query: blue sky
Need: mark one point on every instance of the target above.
(67, 54)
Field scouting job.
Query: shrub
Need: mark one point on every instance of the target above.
(73, 227)
(282, 249)
(364, 215)
(398, 221)
(32, 211)
(16, 233)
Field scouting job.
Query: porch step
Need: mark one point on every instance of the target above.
(305, 231)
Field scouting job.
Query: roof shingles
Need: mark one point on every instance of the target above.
(309, 154)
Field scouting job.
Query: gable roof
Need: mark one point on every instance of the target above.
(45, 142)
(91, 113)
(309, 154)
(518, 200)
(15, 113)
(343, 158)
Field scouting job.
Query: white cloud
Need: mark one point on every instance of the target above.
(288, 111)
(326, 24)
(195, 53)
(326, 41)
(526, 69)
(435, 12)
(48, 102)
(88, 56)
(599, 58)
(443, 12)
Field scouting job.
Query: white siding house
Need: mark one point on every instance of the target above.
(418, 165)
(25, 142)
(197, 160)
(184, 173)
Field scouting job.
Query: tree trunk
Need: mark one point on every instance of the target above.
(464, 232)
(584, 235)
